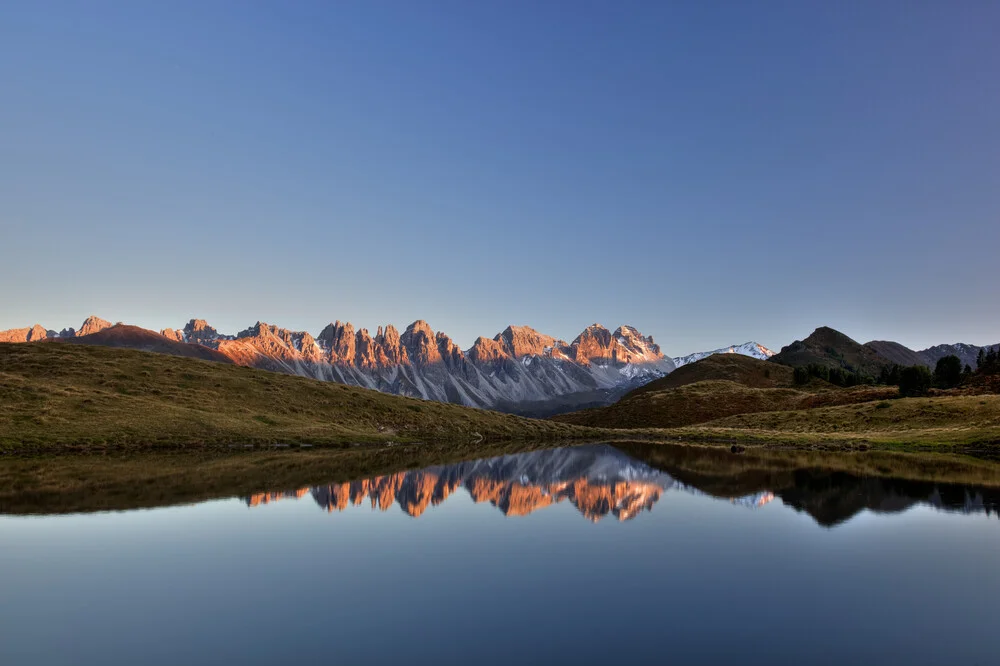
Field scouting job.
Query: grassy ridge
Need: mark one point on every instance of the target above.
(744, 370)
(706, 401)
(962, 420)
(76, 397)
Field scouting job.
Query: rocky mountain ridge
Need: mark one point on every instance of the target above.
(517, 366)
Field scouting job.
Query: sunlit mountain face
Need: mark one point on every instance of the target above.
(601, 481)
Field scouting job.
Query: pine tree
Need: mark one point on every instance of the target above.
(948, 372)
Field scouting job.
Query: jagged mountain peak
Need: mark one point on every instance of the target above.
(196, 330)
(419, 341)
(420, 326)
(520, 341)
(595, 330)
(93, 324)
(30, 334)
(627, 330)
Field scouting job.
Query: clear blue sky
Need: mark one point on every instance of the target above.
(710, 172)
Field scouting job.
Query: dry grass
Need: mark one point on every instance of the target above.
(75, 397)
(685, 405)
(965, 421)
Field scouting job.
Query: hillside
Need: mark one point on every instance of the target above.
(685, 405)
(743, 370)
(894, 352)
(971, 421)
(714, 387)
(61, 397)
(831, 348)
(966, 353)
(709, 400)
(141, 339)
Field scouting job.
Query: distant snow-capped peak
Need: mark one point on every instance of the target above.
(752, 349)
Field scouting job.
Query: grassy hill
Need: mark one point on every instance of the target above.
(65, 397)
(133, 337)
(705, 401)
(750, 372)
(832, 349)
(715, 387)
(724, 398)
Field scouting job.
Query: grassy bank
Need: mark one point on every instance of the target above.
(81, 398)
(120, 480)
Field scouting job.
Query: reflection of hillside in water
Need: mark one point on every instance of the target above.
(828, 495)
(601, 480)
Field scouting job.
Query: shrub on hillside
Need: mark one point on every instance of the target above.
(836, 376)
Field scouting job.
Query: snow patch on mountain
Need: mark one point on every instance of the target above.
(752, 349)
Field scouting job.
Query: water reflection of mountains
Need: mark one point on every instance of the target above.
(602, 480)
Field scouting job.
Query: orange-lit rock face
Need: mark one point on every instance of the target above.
(418, 340)
(633, 347)
(487, 351)
(32, 334)
(594, 344)
(518, 341)
(196, 330)
(340, 340)
(93, 325)
(391, 346)
(449, 352)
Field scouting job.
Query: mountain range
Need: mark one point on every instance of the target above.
(519, 370)
(829, 347)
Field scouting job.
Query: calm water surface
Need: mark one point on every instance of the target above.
(578, 555)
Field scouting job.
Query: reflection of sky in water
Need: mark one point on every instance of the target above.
(694, 579)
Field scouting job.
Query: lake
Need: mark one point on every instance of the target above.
(586, 554)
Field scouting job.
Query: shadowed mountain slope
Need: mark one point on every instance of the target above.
(831, 348)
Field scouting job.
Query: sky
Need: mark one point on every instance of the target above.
(709, 172)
